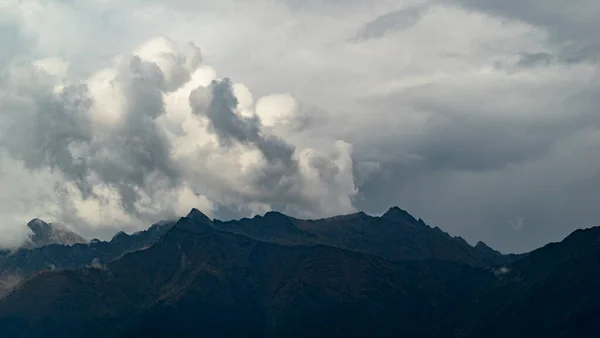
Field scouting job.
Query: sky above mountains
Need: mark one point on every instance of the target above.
(480, 117)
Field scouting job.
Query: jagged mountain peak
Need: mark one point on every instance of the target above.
(395, 213)
(482, 246)
(275, 214)
(36, 224)
(195, 221)
(396, 235)
(43, 233)
(395, 210)
(198, 216)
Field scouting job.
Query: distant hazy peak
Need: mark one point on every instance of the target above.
(43, 233)
(37, 223)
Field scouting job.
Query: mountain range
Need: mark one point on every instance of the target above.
(278, 276)
(53, 247)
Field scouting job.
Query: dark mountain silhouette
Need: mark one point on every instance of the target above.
(201, 281)
(276, 276)
(20, 264)
(396, 236)
(553, 292)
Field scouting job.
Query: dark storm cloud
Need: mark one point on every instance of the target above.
(55, 131)
(480, 167)
(483, 133)
(279, 183)
(46, 127)
(389, 22)
(534, 59)
(573, 25)
(217, 102)
(141, 147)
(275, 181)
(481, 173)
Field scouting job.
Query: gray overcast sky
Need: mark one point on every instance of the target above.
(480, 117)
